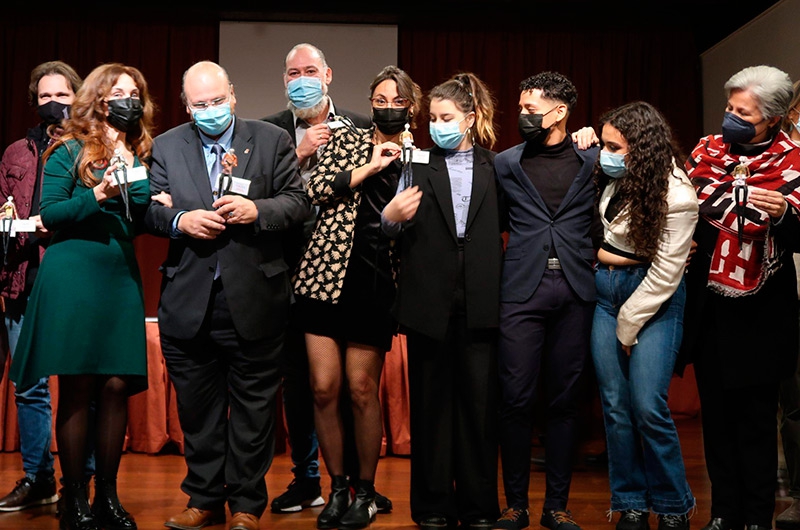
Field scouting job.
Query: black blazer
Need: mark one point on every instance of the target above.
(429, 251)
(254, 273)
(532, 229)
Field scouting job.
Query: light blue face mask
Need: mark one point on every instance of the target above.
(447, 135)
(214, 120)
(613, 164)
(305, 92)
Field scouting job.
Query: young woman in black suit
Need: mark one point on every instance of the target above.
(447, 304)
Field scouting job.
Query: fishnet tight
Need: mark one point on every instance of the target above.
(330, 362)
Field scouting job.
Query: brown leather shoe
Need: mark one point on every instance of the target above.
(790, 518)
(244, 521)
(195, 518)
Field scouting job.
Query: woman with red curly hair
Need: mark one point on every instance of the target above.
(85, 318)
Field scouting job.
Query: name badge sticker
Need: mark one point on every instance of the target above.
(335, 124)
(420, 157)
(232, 184)
(137, 173)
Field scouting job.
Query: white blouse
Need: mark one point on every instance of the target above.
(667, 267)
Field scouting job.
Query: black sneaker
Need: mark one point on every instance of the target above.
(362, 510)
(384, 504)
(634, 520)
(26, 494)
(338, 502)
(512, 519)
(302, 493)
(673, 522)
(558, 520)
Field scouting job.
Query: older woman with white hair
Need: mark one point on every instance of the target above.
(741, 313)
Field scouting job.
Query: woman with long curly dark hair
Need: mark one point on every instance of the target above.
(649, 210)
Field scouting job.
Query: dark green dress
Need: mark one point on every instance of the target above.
(85, 314)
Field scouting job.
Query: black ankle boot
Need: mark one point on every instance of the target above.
(107, 509)
(362, 511)
(76, 513)
(338, 501)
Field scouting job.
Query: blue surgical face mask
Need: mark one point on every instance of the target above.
(305, 92)
(214, 120)
(797, 123)
(613, 164)
(736, 130)
(447, 135)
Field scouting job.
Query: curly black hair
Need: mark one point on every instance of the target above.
(554, 86)
(652, 151)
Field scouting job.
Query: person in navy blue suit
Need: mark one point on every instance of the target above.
(547, 295)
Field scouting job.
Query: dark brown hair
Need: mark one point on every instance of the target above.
(649, 163)
(51, 68)
(406, 88)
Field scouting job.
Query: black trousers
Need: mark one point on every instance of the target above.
(453, 396)
(789, 421)
(545, 338)
(740, 441)
(226, 388)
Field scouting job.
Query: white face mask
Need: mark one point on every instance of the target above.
(797, 123)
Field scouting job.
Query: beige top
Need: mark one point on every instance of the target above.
(666, 269)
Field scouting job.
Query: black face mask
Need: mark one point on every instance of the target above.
(124, 113)
(530, 126)
(53, 112)
(390, 121)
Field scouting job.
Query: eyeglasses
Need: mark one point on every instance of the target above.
(203, 105)
(381, 102)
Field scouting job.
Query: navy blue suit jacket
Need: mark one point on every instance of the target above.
(532, 228)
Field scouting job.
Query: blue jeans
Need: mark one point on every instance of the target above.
(645, 465)
(34, 414)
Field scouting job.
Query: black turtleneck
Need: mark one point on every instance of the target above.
(551, 169)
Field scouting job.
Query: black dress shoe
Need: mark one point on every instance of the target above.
(481, 523)
(433, 522)
(383, 503)
(718, 523)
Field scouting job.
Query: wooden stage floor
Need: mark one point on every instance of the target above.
(150, 489)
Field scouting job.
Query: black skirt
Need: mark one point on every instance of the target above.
(362, 313)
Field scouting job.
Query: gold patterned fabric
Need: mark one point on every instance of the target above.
(320, 273)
